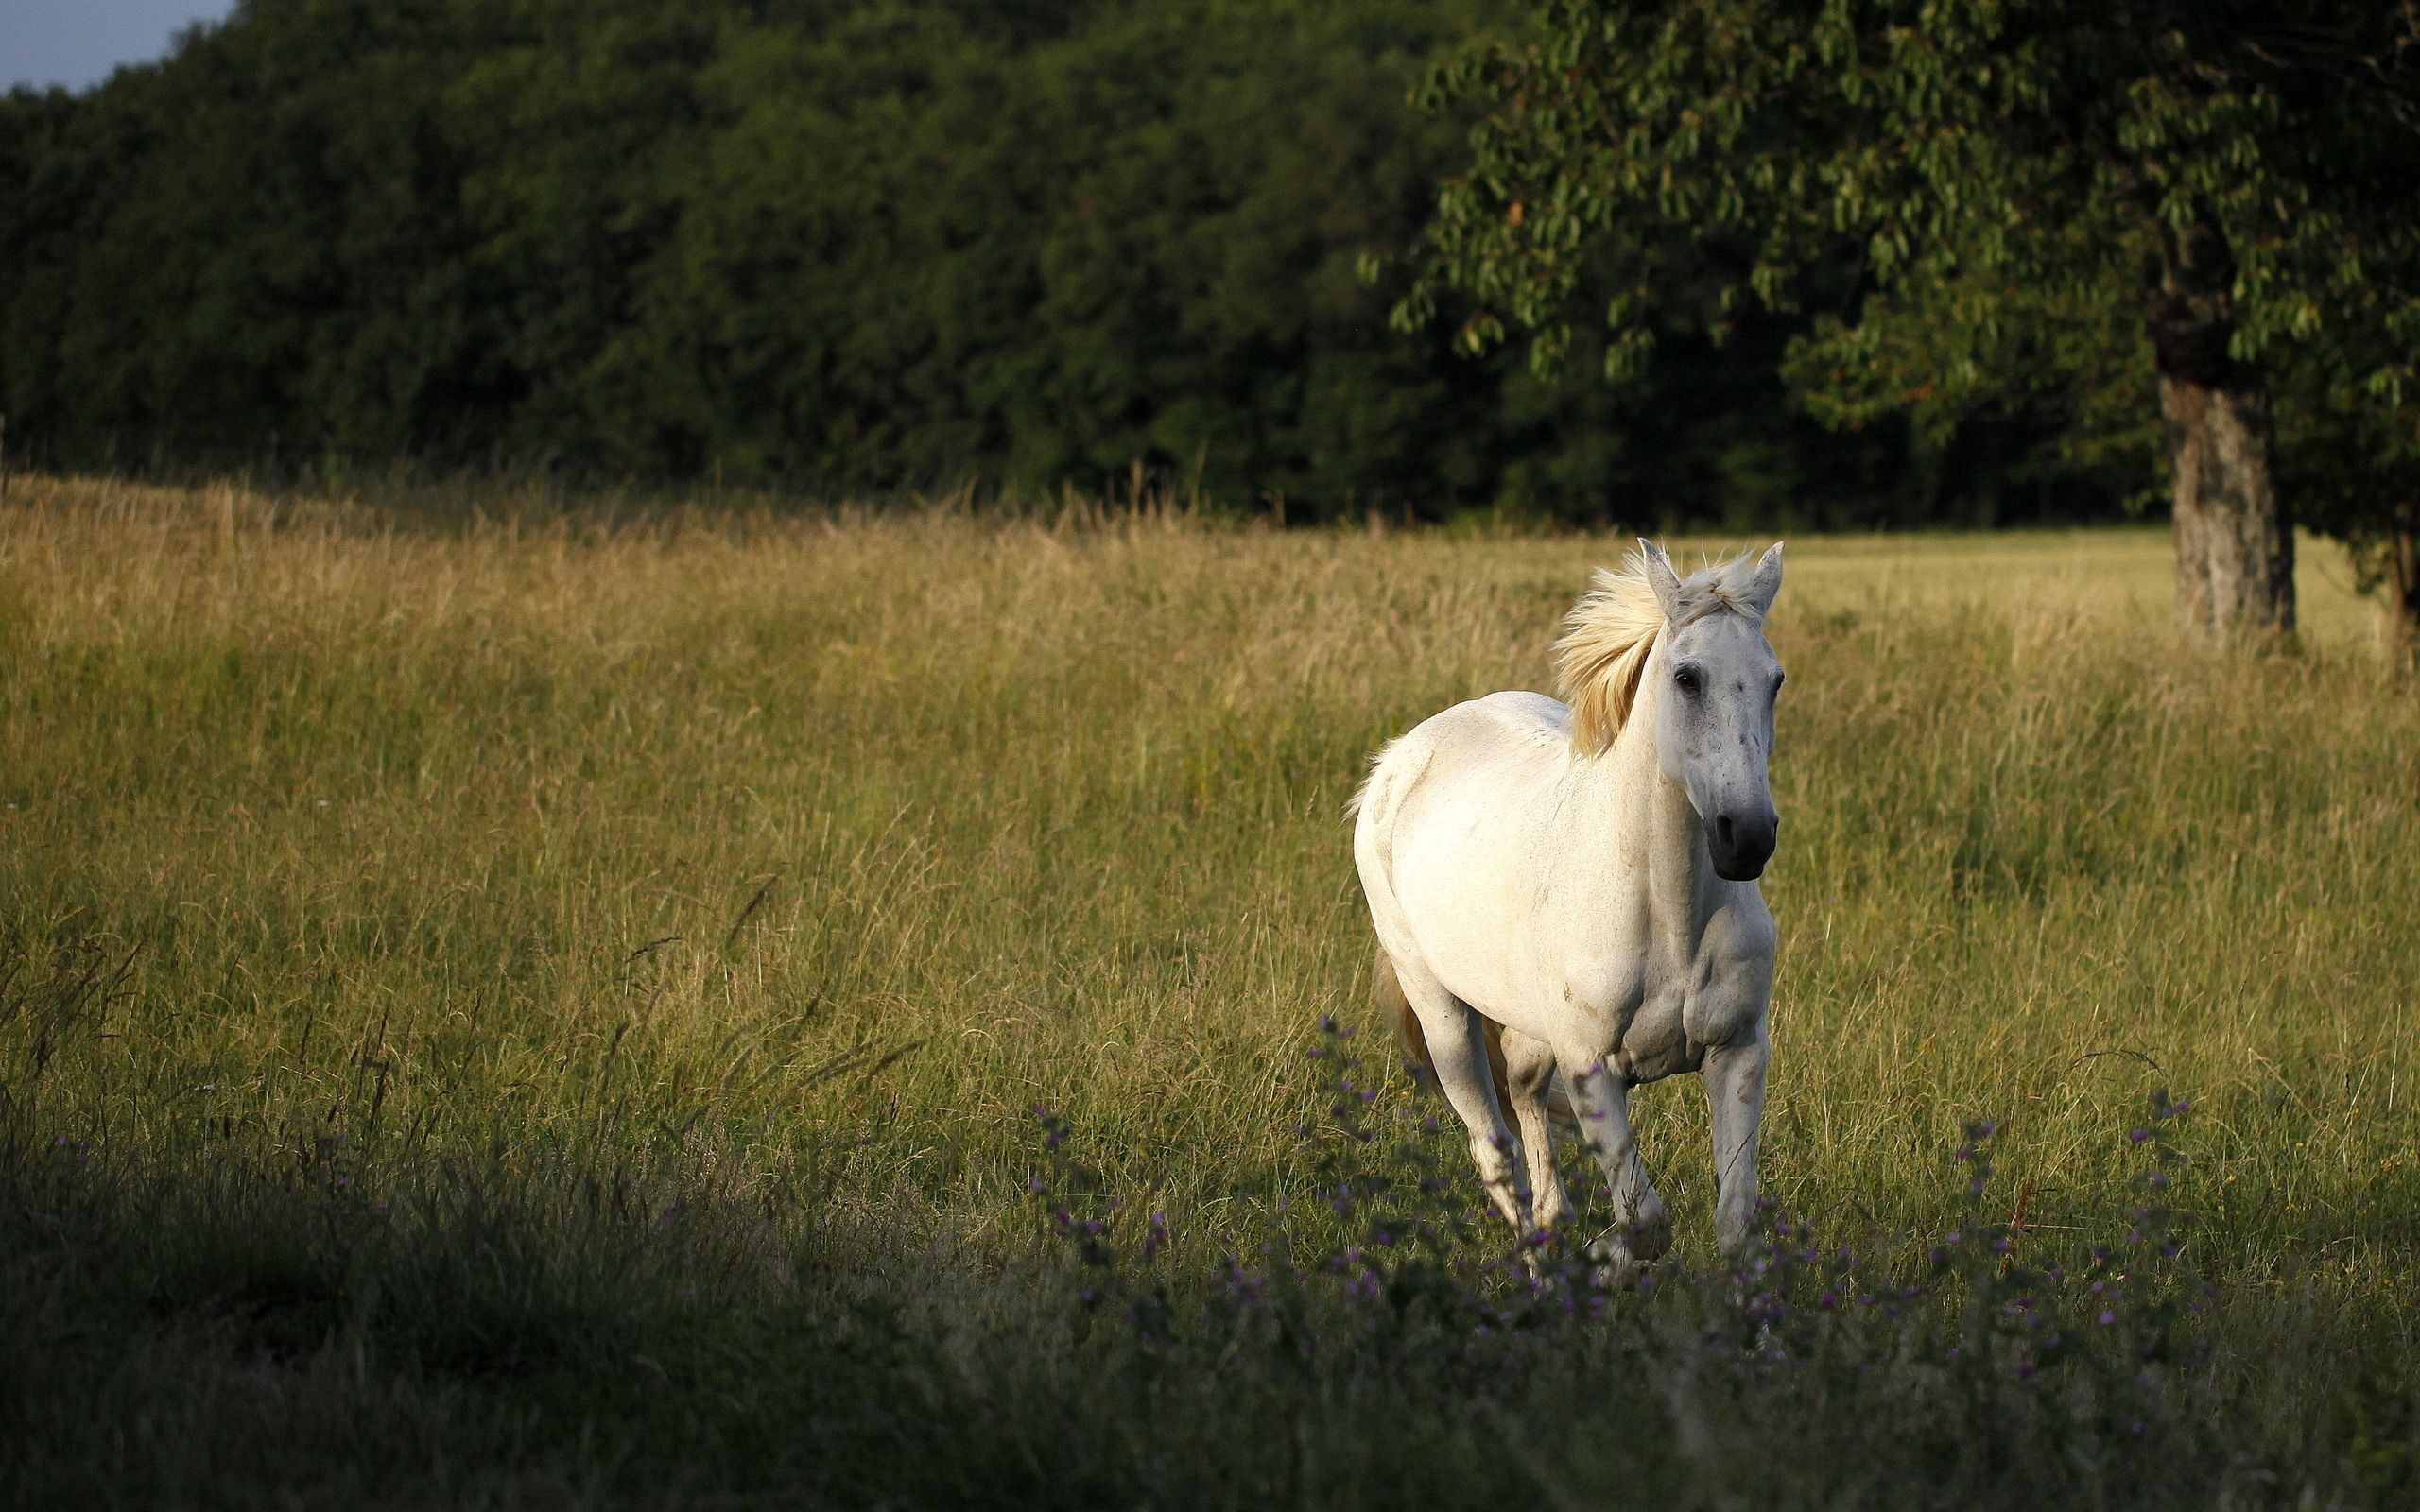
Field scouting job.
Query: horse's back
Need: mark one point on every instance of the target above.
(1481, 744)
(1447, 840)
(1498, 727)
(1531, 718)
(1479, 733)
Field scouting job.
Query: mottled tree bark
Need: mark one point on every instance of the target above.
(2403, 594)
(2235, 549)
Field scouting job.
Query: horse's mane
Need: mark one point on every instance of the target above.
(1607, 635)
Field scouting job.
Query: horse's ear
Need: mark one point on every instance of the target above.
(1764, 582)
(1661, 578)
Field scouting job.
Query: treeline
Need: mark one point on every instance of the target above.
(858, 246)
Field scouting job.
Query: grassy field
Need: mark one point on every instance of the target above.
(529, 1013)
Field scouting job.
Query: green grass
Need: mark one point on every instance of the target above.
(540, 1013)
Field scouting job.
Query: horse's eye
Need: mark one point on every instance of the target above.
(1688, 678)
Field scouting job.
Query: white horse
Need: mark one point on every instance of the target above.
(1569, 891)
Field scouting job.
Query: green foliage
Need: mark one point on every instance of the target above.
(1965, 200)
(846, 245)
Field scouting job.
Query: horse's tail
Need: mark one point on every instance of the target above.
(1396, 1009)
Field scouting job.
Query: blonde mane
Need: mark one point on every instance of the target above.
(1608, 634)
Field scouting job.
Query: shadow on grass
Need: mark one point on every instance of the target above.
(238, 1325)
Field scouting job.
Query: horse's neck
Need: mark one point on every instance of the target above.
(1652, 827)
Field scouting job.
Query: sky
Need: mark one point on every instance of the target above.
(77, 43)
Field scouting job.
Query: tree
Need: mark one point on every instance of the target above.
(861, 247)
(1990, 193)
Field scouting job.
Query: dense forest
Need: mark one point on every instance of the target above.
(863, 246)
(860, 247)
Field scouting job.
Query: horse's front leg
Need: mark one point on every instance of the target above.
(1642, 1228)
(1735, 1090)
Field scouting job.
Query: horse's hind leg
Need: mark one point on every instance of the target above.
(1455, 1039)
(1528, 1078)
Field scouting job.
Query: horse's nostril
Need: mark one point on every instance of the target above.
(1722, 830)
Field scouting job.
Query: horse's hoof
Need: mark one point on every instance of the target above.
(1613, 1263)
(1650, 1238)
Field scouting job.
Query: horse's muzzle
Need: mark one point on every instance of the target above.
(1741, 844)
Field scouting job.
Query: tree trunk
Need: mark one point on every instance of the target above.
(2403, 594)
(2235, 550)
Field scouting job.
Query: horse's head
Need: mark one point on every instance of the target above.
(1714, 724)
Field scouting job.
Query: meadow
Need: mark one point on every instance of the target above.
(512, 1007)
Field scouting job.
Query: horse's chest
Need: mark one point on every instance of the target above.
(1656, 1043)
(1663, 1027)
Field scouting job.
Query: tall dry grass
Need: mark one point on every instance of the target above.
(786, 863)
